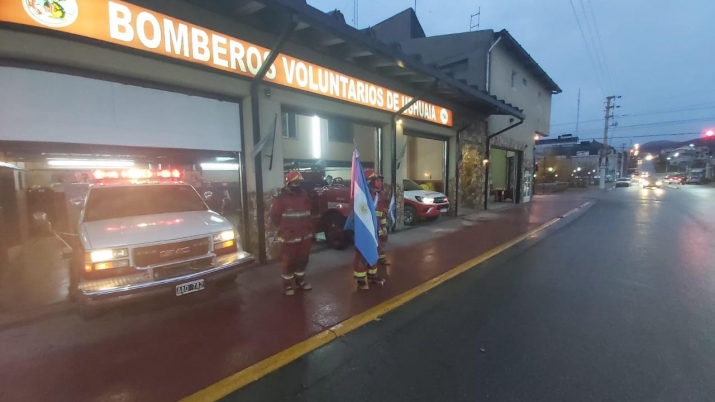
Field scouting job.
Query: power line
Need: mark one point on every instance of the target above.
(650, 125)
(623, 116)
(644, 135)
(600, 42)
(594, 45)
(588, 49)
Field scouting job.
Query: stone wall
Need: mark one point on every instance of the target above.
(472, 145)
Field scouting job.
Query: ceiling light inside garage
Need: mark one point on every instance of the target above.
(89, 163)
(316, 137)
(219, 166)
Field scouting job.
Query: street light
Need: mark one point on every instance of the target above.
(550, 169)
(710, 133)
(578, 169)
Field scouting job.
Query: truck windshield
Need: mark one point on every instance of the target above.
(121, 202)
(410, 185)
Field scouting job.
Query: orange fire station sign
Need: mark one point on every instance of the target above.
(128, 25)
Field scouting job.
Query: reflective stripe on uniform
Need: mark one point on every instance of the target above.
(378, 213)
(290, 241)
(372, 271)
(360, 274)
(296, 214)
(287, 277)
(382, 256)
(383, 221)
(299, 273)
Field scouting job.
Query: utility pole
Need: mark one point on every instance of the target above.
(604, 147)
(578, 112)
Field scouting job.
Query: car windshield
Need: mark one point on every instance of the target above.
(410, 185)
(121, 202)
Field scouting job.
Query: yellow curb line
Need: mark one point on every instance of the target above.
(250, 374)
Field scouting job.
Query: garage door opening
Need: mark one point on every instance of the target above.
(321, 147)
(504, 180)
(425, 186)
(53, 179)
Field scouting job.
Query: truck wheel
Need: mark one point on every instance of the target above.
(335, 234)
(410, 215)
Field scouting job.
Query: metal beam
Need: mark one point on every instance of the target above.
(256, 119)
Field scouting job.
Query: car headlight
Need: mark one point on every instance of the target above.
(428, 200)
(106, 255)
(658, 183)
(224, 236)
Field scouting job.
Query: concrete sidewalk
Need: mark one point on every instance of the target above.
(170, 349)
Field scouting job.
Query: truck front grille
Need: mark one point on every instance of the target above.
(167, 253)
(439, 200)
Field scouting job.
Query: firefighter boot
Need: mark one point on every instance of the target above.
(362, 284)
(288, 288)
(376, 279)
(300, 282)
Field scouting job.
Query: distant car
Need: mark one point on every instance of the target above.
(696, 177)
(650, 182)
(675, 179)
(623, 182)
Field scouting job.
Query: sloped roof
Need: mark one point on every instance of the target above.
(400, 27)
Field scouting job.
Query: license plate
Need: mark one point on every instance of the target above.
(443, 210)
(189, 287)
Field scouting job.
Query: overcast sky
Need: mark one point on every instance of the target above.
(660, 56)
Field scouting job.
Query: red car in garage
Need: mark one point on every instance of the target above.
(422, 204)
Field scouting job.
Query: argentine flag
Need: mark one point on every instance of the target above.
(365, 220)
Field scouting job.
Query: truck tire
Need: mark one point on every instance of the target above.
(335, 234)
(410, 215)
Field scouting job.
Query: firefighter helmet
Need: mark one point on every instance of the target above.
(293, 176)
(371, 174)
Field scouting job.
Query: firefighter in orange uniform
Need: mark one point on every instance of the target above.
(290, 213)
(382, 205)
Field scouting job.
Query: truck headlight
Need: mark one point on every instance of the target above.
(428, 200)
(108, 254)
(224, 236)
(99, 260)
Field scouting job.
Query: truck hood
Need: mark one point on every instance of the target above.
(148, 229)
(411, 194)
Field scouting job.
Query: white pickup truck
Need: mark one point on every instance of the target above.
(148, 237)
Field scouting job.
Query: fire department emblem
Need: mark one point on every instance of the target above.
(444, 116)
(52, 13)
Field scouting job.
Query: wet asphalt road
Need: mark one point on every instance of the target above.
(617, 304)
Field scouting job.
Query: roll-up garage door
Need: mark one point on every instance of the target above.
(51, 107)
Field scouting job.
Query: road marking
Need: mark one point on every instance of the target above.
(250, 374)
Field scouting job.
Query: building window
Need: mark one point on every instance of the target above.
(289, 126)
(340, 130)
(513, 78)
(524, 81)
